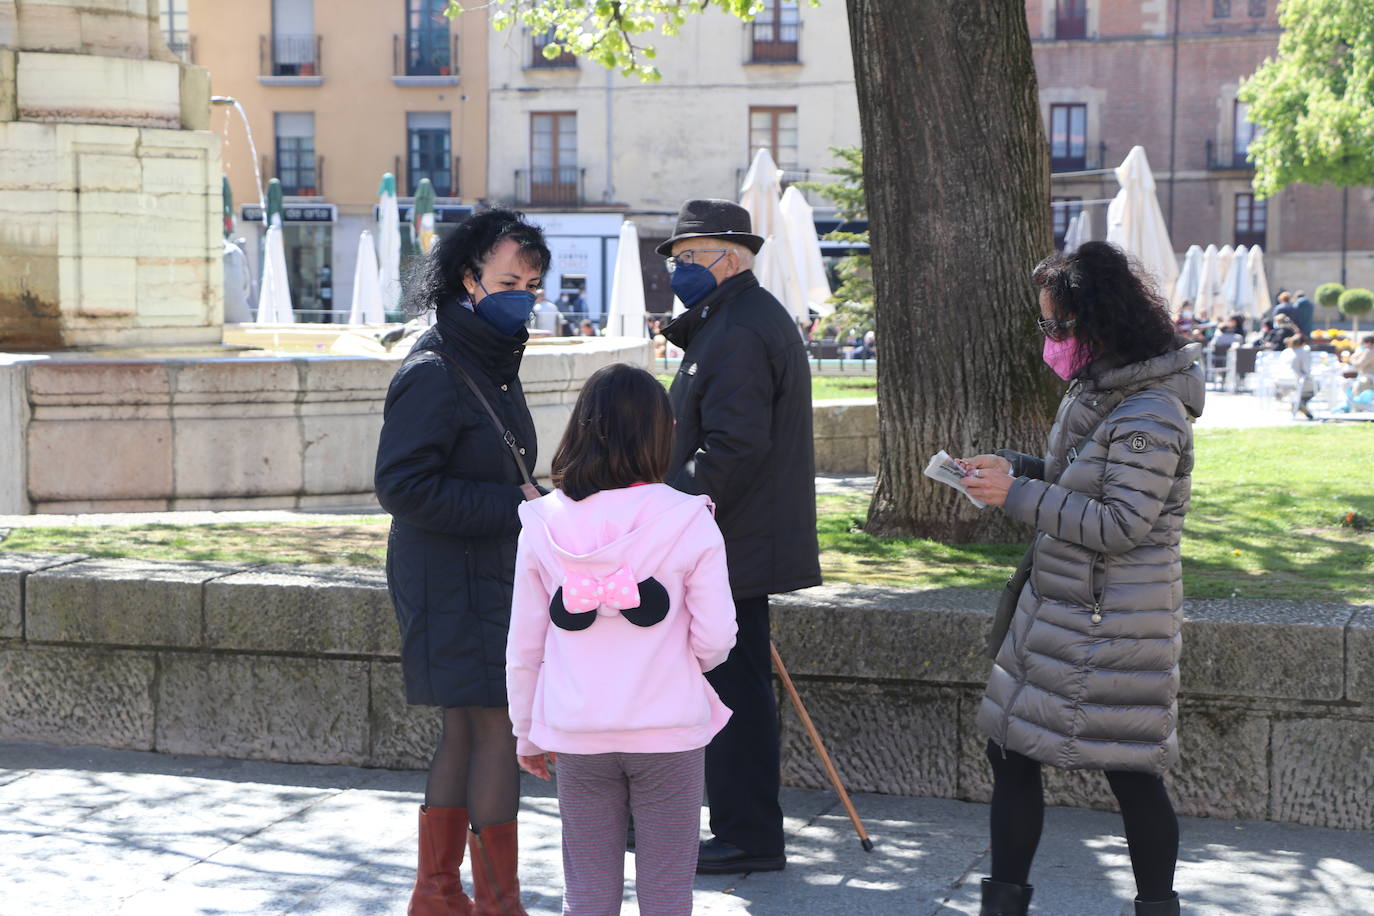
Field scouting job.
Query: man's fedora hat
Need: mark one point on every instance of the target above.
(713, 219)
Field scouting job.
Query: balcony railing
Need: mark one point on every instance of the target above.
(789, 178)
(445, 183)
(551, 187)
(289, 55)
(538, 61)
(774, 42)
(1217, 161)
(416, 54)
(305, 187)
(1081, 163)
(1071, 22)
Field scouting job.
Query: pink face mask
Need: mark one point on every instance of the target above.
(1065, 357)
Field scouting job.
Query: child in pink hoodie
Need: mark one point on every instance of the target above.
(622, 602)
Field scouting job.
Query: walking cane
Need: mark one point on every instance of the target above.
(819, 745)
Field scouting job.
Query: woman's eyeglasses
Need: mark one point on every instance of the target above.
(1055, 329)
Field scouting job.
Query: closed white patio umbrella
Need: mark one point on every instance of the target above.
(1136, 224)
(367, 287)
(1260, 284)
(389, 243)
(760, 194)
(1080, 231)
(806, 251)
(274, 297)
(626, 317)
(1208, 281)
(1189, 279)
(1237, 290)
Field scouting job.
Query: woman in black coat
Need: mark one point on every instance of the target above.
(451, 483)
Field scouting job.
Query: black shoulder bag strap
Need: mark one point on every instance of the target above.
(1011, 593)
(506, 435)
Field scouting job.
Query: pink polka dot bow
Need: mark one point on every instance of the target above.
(584, 592)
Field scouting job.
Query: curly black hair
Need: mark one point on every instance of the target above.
(1116, 313)
(438, 276)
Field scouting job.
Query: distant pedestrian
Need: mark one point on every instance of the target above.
(1305, 386)
(453, 486)
(622, 601)
(1303, 309)
(1087, 676)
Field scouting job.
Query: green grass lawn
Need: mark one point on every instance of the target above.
(1265, 523)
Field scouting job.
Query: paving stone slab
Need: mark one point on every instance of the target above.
(287, 709)
(15, 568)
(120, 602)
(302, 610)
(87, 696)
(892, 738)
(1323, 773)
(1280, 649)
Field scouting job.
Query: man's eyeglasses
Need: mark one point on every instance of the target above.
(689, 257)
(1055, 329)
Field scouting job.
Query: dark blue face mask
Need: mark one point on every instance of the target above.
(506, 310)
(693, 282)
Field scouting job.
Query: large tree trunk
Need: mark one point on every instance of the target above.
(957, 179)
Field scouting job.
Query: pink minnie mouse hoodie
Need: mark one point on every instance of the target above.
(622, 601)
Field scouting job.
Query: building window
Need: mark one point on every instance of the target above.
(172, 14)
(554, 176)
(429, 151)
(1244, 132)
(294, 43)
(296, 153)
(1071, 19)
(564, 58)
(1252, 219)
(1062, 210)
(776, 32)
(1221, 9)
(1068, 138)
(429, 52)
(1256, 9)
(774, 129)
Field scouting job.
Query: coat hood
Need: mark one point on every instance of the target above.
(632, 528)
(1176, 370)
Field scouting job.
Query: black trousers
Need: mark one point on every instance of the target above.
(742, 761)
(1018, 814)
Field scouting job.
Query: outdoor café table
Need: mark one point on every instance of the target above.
(1240, 362)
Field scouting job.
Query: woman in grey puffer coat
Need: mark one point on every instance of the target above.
(1087, 676)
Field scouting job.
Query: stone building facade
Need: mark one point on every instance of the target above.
(1164, 75)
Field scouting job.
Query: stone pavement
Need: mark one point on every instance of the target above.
(88, 830)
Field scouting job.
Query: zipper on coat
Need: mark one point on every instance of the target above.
(1092, 587)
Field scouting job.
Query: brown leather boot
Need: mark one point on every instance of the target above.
(495, 855)
(438, 884)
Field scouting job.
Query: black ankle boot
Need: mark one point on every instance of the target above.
(1001, 899)
(1157, 907)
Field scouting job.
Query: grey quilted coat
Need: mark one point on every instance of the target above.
(1087, 677)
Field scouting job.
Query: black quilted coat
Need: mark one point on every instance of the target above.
(1087, 677)
(452, 488)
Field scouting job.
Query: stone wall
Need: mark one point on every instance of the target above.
(275, 432)
(846, 434)
(300, 664)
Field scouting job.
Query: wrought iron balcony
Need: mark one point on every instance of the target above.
(289, 55)
(774, 42)
(1217, 161)
(551, 187)
(424, 54)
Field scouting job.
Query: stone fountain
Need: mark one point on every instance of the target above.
(109, 181)
(117, 393)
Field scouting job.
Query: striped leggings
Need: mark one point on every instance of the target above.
(596, 795)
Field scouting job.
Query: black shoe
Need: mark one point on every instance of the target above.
(717, 857)
(1002, 899)
(1157, 907)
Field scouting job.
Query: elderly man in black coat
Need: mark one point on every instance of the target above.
(742, 399)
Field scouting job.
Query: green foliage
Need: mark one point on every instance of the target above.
(1315, 101)
(611, 33)
(1355, 302)
(854, 296)
(1329, 294)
